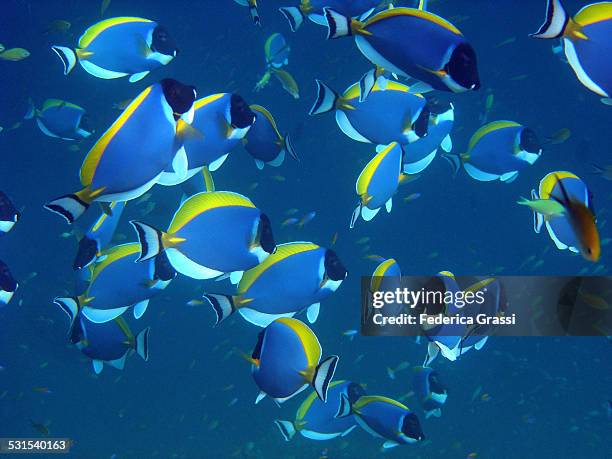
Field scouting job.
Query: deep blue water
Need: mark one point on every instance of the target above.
(548, 395)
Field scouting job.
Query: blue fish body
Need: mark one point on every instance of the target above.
(102, 341)
(430, 392)
(62, 119)
(495, 152)
(263, 141)
(277, 51)
(385, 116)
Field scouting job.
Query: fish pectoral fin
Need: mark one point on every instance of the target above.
(185, 131)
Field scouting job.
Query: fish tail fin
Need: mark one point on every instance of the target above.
(72, 206)
(294, 16)
(323, 375)
(327, 99)
(287, 428)
(142, 344)
(223, 305)
(596, 169)
(254, 13)
(151, 240)
(454, 160)
(70, 306)
(344, 408)
(366, 84)
(338, 25)
(538, 218)
(68, 57)
(555, 23)
(290, 149)
(31, 110)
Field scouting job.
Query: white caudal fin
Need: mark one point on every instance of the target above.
(67, 56)
(70, 306)
(454, 161)
(323, 375)
(294, 16)
(287, 429)
(344, 408)
(223, 305)
(326, 99)
(338, 25)
(70, 206)
(290, 149)
(555, 22)
(366, 84)
(150, 240)
(142, 344)
(355, 216)
(538, 218)
(255, 14)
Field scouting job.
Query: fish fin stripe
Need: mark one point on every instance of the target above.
(310, 344)
(150, 239)
(67, 56)
(323, 376)
(283, 251)
(326, 99)
(92, 32)
(547, 184)
(593, 13)
(344, 408)
(338, 25)
(290, 148)
(112, 255)
(555, 22)
(294, 16)
(202, 202)
(411, 12)
(365, 178)
(94, 156)
(223, 306)
(366, 84)
(268, 115)
(487, 129)
(70, 306)
(287, 429)
(207, 100)
(142, 344)
(367, 399)
(69, 206)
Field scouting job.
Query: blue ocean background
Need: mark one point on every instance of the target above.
(548, 396)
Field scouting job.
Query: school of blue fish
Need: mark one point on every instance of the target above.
(170, 135)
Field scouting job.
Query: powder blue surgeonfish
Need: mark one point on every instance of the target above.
(499, 151)
(118, 47)
(8, 284)
(98, 236)
(264, 142)
(118, 283)
(287, 359)
(414, 43)
(109, 342)
(429, 390)
(378, 182)
(317, 420)
(222, 120)
(586, 41)
(297, 277)
(277, 51)
(313, 9)
(61, 119)
(9, 215)
(385, 418)
(391, 115)
(387, 278)
(419, 155)
(560, 227)
(131, 155)
(211, 234)
(252, 4)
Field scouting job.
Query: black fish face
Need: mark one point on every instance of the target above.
(163, 269)
(163, 43)
(421, 124)
(334, 268)
(436, 106)
(435, 386)
(257, 351)
(411, 427)
(354, 391)
(529, 141)
(462, 67)
(240, 113)
(86, 253)
(178, 95)
(7, 281)
(85, 124)
(266, 238)
(7, 209)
